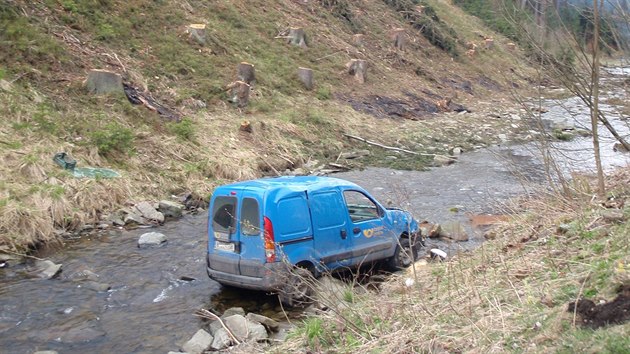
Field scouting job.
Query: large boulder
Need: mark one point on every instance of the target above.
(199, 343)
(151, 239)
(148, 211)
(170, 209)
(243, 329)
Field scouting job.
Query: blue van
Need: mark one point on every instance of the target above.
(267, 234)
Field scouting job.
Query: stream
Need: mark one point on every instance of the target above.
(155, 291)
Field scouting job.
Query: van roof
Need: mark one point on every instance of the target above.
(292, 182)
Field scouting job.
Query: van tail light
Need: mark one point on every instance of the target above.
(270, 245)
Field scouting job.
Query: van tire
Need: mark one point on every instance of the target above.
(298, 289)
(402, 257)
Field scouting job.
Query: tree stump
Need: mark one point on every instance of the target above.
(357, 68)
(420, 9)
(246, 126)
(398, 37)
(103, 81)
(511, 47)
(238, 93)
(297, 37)
(306, 77)
(489, 43)
(357, 40)
(246, 72)
(197, 32)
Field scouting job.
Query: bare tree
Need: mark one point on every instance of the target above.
(595, 99)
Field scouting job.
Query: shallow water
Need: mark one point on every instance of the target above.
(149, 308)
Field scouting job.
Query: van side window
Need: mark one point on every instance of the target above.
(250, 217)
(360, 207)
(223, 214)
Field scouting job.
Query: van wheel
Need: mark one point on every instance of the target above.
(298, 289)
(403, 256)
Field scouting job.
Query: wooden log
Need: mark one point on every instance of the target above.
(397, 35)
(297, 37)
(238, 93)
(306, 77)
(103, 81)
(246, 72)
(357, 40)
(489, 42)
(358, 69)
(197, 32)
(511, 46)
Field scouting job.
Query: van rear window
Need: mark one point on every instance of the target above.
(250, 217)
(223, 215)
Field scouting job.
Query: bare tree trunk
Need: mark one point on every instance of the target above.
(595, 96)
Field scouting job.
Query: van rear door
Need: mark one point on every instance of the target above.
(250, 236)
(222, 247)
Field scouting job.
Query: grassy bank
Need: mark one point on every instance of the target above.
(511, 294)
(47, 48)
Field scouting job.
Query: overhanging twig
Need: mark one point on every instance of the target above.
(209, 315)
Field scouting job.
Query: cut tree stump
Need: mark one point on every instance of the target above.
(246, 72)
(511, 46)
(306, 77)
(197, 32)
(420, 9)
(103, 81)
(489, 43)
(238, 93)
(357, 68)
(246, 126)
(398, 37)
(357, 40)
(297, 37)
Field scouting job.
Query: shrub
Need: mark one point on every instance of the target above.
(323, 93)
(185, 129)
(113, 138)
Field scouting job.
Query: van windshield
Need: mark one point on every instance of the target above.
(223, 216)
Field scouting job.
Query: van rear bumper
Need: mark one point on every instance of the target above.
(272, 277)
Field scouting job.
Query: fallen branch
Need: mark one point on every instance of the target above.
(380, 145)
(394, 148)
(203, 313)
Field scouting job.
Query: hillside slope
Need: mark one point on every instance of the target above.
(47, 48)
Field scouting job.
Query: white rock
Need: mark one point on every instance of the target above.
(170, 209)
(221, 339)
(438, 253)
(199, 343)
(148, 211)
(47, 269)
(151, 239)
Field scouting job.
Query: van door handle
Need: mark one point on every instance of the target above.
(344, 234)
(356, 230)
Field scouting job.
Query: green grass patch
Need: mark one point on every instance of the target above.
(113, 138)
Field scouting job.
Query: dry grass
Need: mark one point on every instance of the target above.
(509, 295)
(48, 111)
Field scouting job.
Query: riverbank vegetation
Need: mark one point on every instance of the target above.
(407, 101)
(512, 294)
